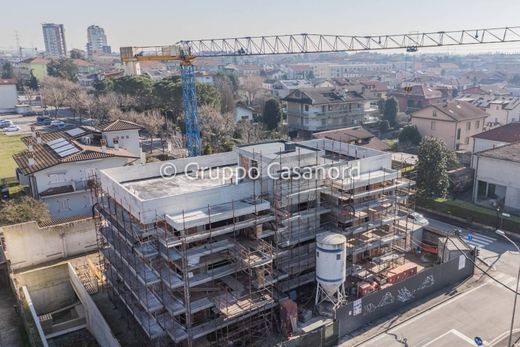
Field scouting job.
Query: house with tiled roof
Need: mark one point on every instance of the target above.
(355, 136)
(36, 65)
(58, 166)
(496, 180)
(310, 110)
(496, 137)
(456, 122)
(411, 98)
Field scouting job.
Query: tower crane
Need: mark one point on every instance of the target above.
(186, 51)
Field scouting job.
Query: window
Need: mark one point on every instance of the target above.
(458, 134)
(468, 126)
(317, 254)
(57, 178)
(330, 107)
(323, 108)
(434, 113)
(63, 204)
(466, 141)
(477, 124)
(432, 126)
(306, 107)
(338, 256)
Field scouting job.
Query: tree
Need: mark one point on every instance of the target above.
(384, 126)
(227, 99)
(248, 132)
(56, 91)
(432, 168)
(33, 82)
(63, 68)
(272, 114)
(23, 210)
(104, 86)
(7, 70)
(216, 128)
(410, 135)
(251, 85)
(390, 111)
(77, 54)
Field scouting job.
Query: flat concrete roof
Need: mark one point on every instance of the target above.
(279, 148)
(181, 183)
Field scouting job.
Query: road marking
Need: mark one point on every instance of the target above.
(501, 336)
(421, 315)
(479, 240)
(465, 338)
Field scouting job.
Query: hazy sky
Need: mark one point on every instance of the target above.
(157, 22)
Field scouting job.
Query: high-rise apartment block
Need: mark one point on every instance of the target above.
(54, 38)
(97, 40)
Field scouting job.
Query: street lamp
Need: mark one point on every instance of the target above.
(503, 234)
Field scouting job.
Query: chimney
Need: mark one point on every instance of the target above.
(30, 147)
(103, 145)
(33, 131)
(38, 138)
(30, 158)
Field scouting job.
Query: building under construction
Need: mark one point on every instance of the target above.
(202, 250)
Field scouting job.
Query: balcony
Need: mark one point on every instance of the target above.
(67, 187)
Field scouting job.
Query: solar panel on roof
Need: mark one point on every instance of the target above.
(68, 152)
(75, 131)
(64, 148)
(53, 142)
(58, 145)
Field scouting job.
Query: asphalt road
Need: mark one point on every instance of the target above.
(483, 311)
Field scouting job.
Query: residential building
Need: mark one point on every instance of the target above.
(501, 109)
(358, 136)
(317, 109)
(411, 98)
(97, 41)
(8, 95)
(496, 137)
(37, 66)
(491, 89)
(496, 180)
(455, 122)
(208, 257)
(54, 38)
(84, 67)
(57, 166)
(283, 88)
(244, 112)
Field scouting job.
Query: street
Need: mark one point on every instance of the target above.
(484, 311)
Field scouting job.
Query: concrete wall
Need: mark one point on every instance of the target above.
(96, 323)
(358, 313)
(128, 139)
(8, 97)
(483, 144)
(27, 244)
(49, 287)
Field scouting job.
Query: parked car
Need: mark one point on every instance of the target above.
(6, 123)
(11, 129)
(418, 218)
(43, 119)
(57, 124)
(29, 114)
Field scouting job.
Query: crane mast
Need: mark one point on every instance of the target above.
(187, 50)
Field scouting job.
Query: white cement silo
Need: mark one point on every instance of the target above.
(331, 256)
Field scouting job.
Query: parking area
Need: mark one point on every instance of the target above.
(24, 123)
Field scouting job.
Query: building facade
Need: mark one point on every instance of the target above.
(8, 95)
(58, 166)
(456, 122)
(54, 39)
(207, 257)
(311, 110)
(97, 41)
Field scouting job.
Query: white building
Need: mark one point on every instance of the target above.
(496, 137)
(496, 177)
(501, 109)
(283, 88)
(58, 166)
(243, 112)
(8, 95)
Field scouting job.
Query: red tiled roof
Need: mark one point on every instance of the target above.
(7, 81)
(119, 125)
(505, 133)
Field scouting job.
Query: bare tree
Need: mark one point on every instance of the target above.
(227, 99)
(251, 86)
(216, 128)
(55, 91)
(249, 132)
(29, 94)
